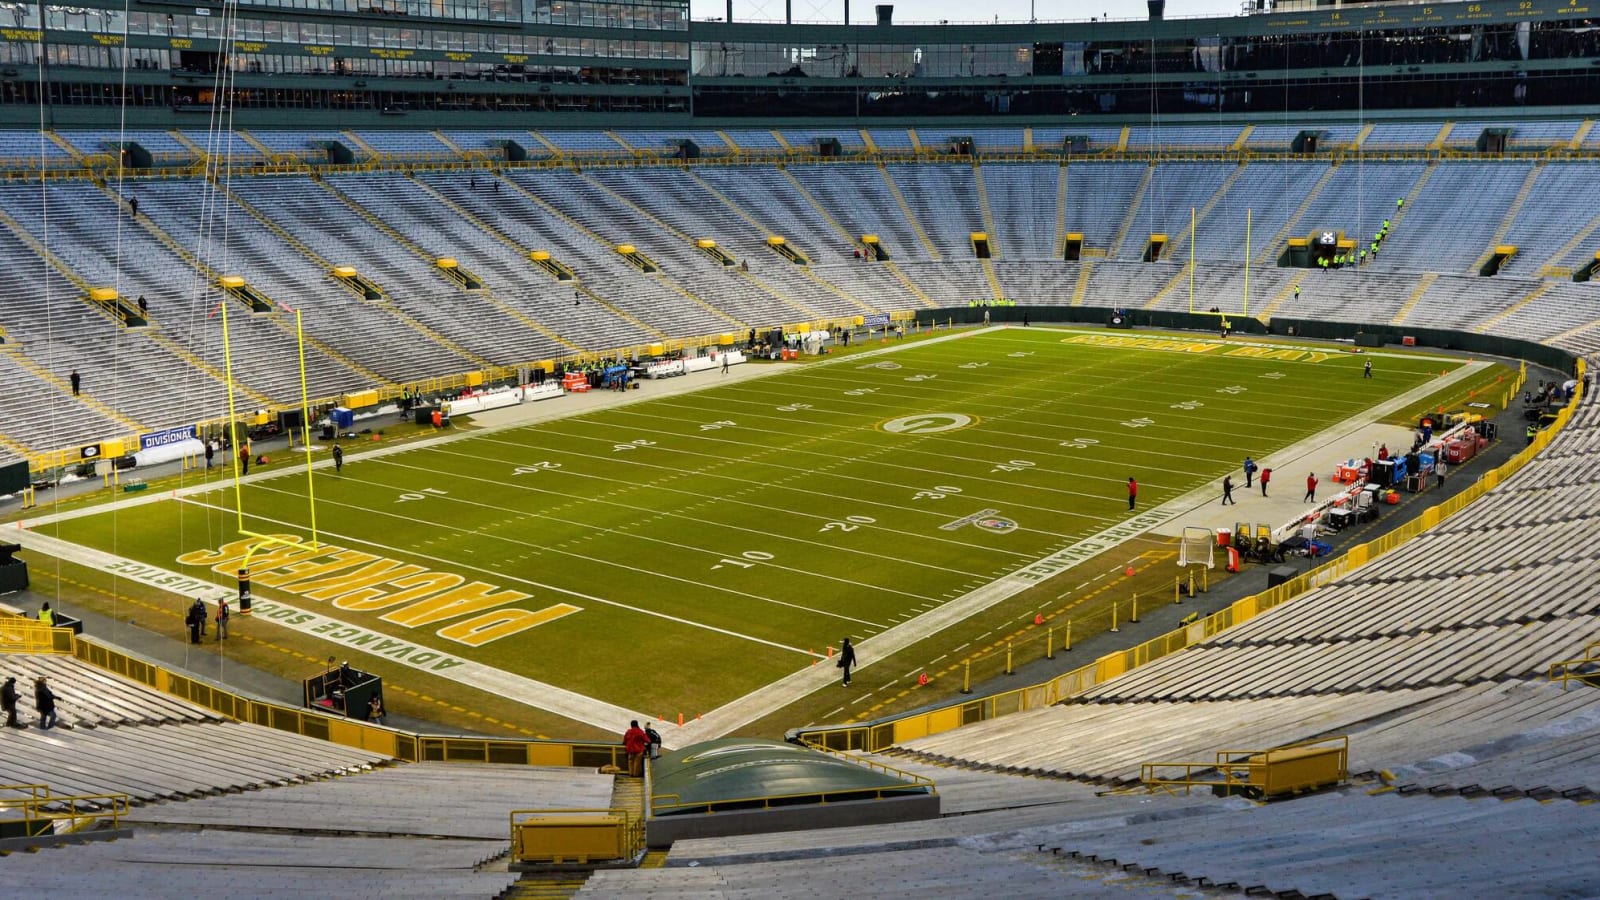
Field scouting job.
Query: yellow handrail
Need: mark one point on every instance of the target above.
(632, 825)
(915, 779)
(1562, 671)
(23, 635)
(105, 806)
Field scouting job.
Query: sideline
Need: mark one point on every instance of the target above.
(536, 694)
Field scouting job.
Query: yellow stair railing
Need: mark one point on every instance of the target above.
(1584, 670)
(1290, 769)
(46, 814)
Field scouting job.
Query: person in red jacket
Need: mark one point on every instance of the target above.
(635, 741)
(1133, 493)
(1311, 487)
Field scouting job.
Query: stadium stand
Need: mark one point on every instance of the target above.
(1432, 658)
(402, 144)
(1025, 226)
(227, 862)
(943, 203)
(1185, 137)
(439, 800)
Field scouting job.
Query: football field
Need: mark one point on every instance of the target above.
(682, 551)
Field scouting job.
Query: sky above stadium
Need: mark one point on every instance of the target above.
(906, 11)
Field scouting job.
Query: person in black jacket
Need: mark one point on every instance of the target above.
(8, 703)
(847, 660)
(45, 702)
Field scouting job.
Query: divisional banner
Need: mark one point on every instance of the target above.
(875, 321)
(170, 436)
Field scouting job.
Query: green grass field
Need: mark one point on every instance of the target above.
(680, 552)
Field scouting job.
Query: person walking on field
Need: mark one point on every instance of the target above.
(244, 459)
(1366, 370)
(338, 458)
(1133, 494)
(724, 363)
(1266, 476)
(847, 660)
(1227, 490)
(1249, 470)
(222, 619)
(1311, 487)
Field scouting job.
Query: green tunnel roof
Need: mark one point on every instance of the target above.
(745, 773)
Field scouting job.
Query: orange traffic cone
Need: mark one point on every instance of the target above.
(680, 720)
(1038, 618)
(923, 678)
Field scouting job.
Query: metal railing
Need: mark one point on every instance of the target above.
(887, 732)
(910, 778)
(23, 635)
(1584, 670)
(575, 834)
(391, 742)
(62, 813)
(1241, 770)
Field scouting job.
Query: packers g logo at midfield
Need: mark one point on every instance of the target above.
(927, 423)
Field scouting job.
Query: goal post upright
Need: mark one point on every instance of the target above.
(1247, 216)
(261, 540)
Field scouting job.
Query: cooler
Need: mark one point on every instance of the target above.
(574, 381)
(1224, 537)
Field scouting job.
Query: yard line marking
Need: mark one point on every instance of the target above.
(861, 698)
(933, 661)
(834, 713)
(531, 488)
(595, 530)
(350, 539)
(676, 472)
(517, 542)
(791, 469)
(909, 674)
